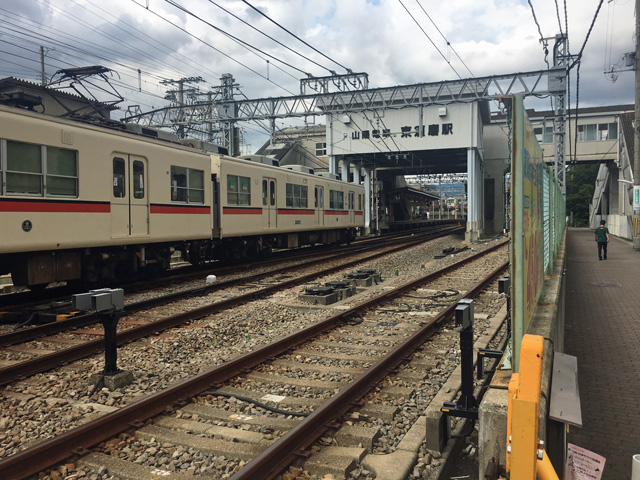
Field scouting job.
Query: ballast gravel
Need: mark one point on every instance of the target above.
(48, 404)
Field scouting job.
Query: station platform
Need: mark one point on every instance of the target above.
(602, 329)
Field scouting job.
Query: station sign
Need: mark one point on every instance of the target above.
(404, 130)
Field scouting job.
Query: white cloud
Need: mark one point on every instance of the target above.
(377, 37)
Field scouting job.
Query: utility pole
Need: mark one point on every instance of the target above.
(636, 140)
(43, 75)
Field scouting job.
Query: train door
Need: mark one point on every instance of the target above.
(138, 197)
(269, 204)
(351, 207)
(319, 204)
(130, 197)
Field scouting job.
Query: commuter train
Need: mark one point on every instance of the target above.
(87, 203)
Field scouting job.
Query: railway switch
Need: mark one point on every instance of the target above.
(109, 305)
(467, 405)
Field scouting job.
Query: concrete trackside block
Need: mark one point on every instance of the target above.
(125, 470)
(394, 466)
(337, 461)
(327, 299)
(383, 412)
(113, 382)
(357, 435)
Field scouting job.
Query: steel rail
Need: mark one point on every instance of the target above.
(71, 354)
(83, 320)
(49, 452)
(286, 449)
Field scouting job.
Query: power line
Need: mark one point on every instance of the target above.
(270, 37)
(445, 39)
(542, 40)
(584, 44)
(558, 16)
(246, 45)
(24, 34)
(212, 47)
(153, 61)
(432, 43)
(298, 38)
(181, 58)
(67, 64)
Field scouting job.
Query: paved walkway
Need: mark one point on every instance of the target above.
(603, 332)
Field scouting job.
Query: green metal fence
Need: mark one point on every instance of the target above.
(537, 222)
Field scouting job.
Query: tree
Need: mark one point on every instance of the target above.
(581, 181)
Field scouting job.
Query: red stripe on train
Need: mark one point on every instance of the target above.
(182, 209)
(296, 212)
(57, 207)
(241, 211)
(336, 212)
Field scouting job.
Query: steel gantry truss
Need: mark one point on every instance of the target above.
(225, 111)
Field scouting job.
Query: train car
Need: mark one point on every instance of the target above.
(80, 202)
(272, 207)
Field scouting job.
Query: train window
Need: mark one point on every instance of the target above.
(41, 170)
(359, 201)
(138, 179)
(272, 192)
(62, 172)
(187, 185)
(24, 168)
(297, 195)
(336, 200)
(178, 184)
(118, 178)
(351, 200)
(265, 194)
(196, 186)
(238, 190)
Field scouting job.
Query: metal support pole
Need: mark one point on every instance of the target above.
(367, 199)
(636, 142)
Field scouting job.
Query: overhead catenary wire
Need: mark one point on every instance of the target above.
(233, 37)
(586, 39)
(213, 48)
(542, 40)
(172, 52)
(270, 37)
(150, 61)
(297, 38)
(445, 38)
(32, 36)
(429, 38)
(67, 64)
(558, 16)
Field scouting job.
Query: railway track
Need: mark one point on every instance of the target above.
(373, 364)
(130, 332)
(25, 298)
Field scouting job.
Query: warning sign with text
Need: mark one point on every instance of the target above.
(583, 464)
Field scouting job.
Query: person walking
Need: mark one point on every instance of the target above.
(602, 237)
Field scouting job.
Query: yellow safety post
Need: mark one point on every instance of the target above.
(526, 458)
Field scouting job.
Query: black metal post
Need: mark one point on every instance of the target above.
(109, 320)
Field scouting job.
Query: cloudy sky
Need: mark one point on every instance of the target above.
(391, 40)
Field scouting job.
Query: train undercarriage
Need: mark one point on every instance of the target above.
(107, 266)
